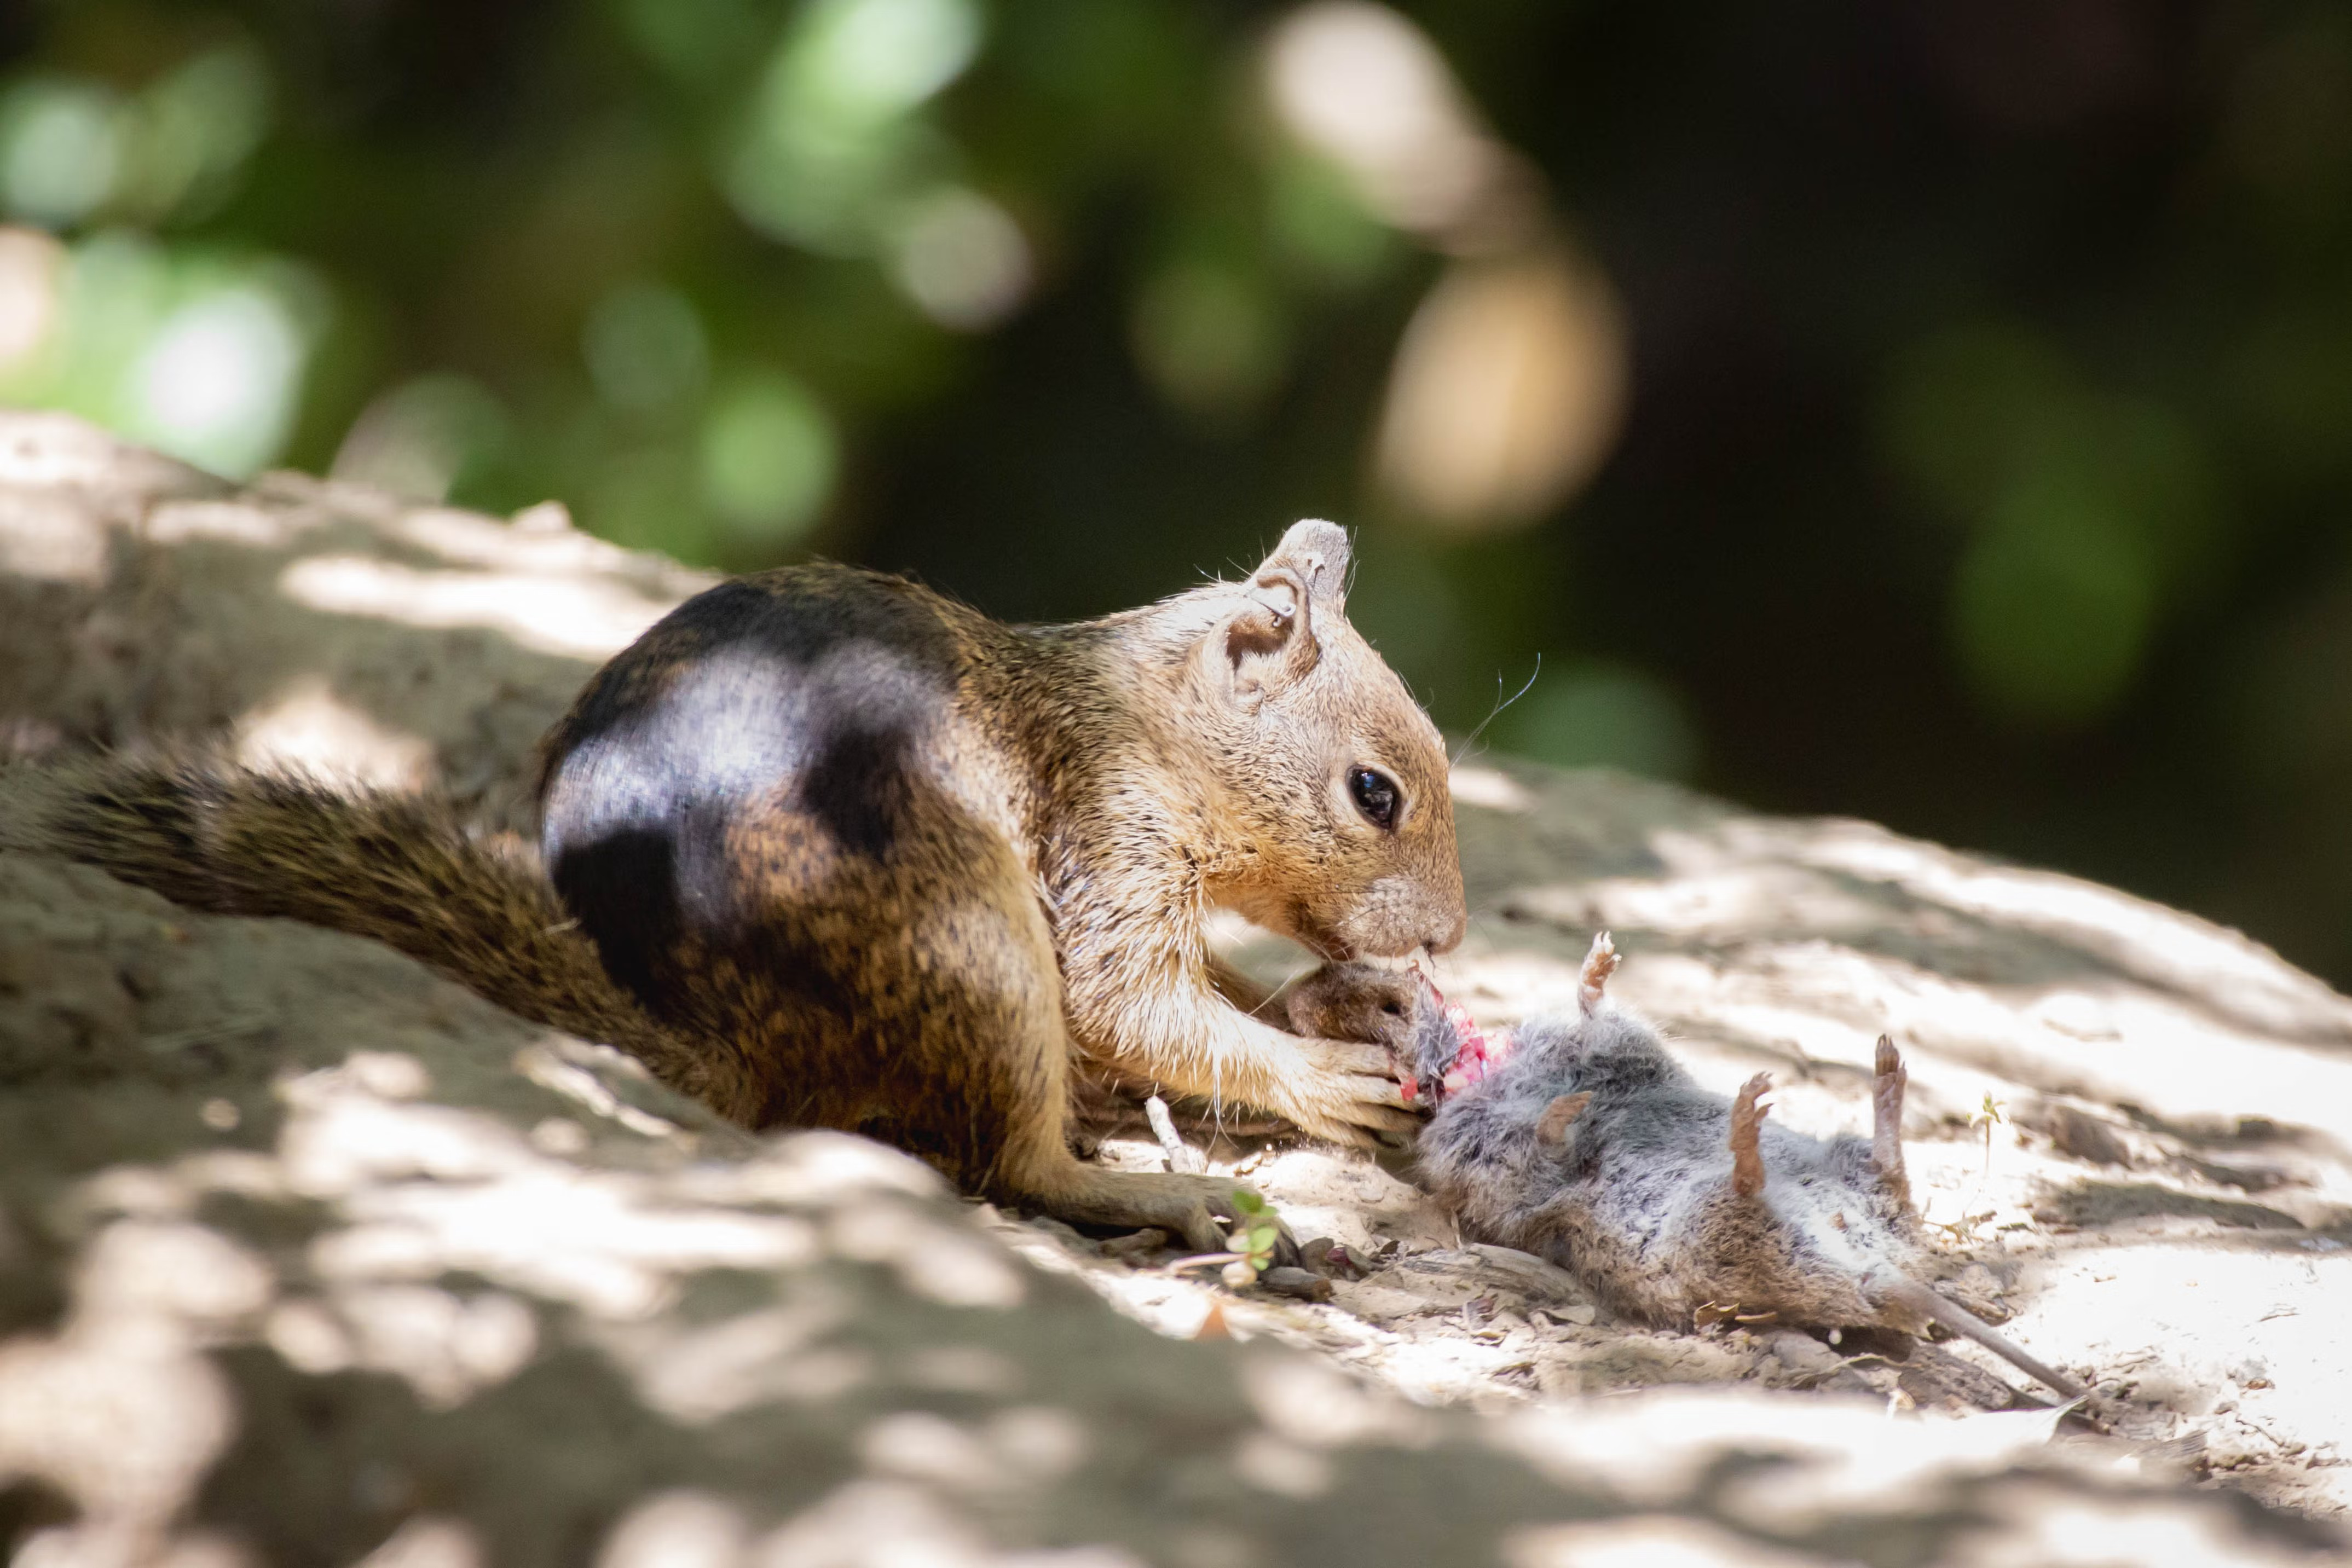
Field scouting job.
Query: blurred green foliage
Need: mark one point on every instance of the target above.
(1975, 380)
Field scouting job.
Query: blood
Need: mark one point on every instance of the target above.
(1477, 1053)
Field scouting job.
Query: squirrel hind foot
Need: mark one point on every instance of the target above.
(1200, 1209)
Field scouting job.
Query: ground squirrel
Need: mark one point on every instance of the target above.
(859, 856)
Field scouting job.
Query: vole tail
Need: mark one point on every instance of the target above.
(1929, 1305)
(227, 840)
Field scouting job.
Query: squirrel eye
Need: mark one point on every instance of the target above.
(1375, 794)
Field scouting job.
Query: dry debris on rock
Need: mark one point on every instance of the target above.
(307, 1255)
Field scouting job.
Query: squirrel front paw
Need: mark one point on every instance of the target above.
(1345, 1092)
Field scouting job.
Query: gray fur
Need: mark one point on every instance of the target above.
(1638, 1198)
(1591, 1147)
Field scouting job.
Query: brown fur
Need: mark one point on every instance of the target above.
(918, 861)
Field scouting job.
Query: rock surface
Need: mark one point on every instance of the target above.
(309, 1256)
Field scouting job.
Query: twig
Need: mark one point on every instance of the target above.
(1181, 1156)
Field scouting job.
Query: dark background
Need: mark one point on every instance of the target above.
(1964, 437)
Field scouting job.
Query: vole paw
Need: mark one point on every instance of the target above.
(1747, 1113)
(1599, 965)
(1887, 1120)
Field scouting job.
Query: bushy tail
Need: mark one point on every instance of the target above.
(213, 836)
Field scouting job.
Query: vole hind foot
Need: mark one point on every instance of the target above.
(1887, 1121)
(1747, 1113)
(1558, 1116)
(1599, 965)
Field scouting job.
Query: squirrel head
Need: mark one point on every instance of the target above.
(1334, 815)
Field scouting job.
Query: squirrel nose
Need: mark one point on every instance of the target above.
(1448, 937)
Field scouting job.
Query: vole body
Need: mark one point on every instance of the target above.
(1586, 1143)
(852, 854)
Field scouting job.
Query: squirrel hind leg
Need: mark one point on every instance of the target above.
(1200, 1209)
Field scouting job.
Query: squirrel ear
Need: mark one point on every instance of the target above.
(1317, 554)
(1270, 640)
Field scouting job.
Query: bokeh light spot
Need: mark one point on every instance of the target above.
(196, 127)
(879, 58)
(60, 149)
(1209, 336)
(1605, 716)
(419, 439)
(768, 457)
(646, 347)
(2052, 611)
(962, 260)
(31, 263)
(1509, 390)
(217, 384)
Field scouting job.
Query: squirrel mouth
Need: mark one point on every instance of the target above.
(1321, 939)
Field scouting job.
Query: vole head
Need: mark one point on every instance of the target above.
(1333, 816)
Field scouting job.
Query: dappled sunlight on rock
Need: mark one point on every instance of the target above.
(429, 1543)
(1488, 790)
(578, 619)
(310, 728)
(307, 1256)
(1655, 1540)
(678, 1530)
(119, 1410)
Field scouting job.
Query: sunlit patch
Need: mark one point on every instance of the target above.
(754, 1358)
(947, 1263)
(680, 1528)
(923, 1447)
(52, 539)
(226, 522)
(960, 1369)
(1654, 1540)
(546, 1066)
(1490, 788)
(582, 618)
(309, 1337)
(119, 1409)
(445, 1348)
(308, 728)
(430, 1540)
(875, 1520)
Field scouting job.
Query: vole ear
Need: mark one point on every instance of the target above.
(1270, 640)
(1317, 554)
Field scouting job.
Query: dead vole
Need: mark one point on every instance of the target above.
(1580, 1139)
